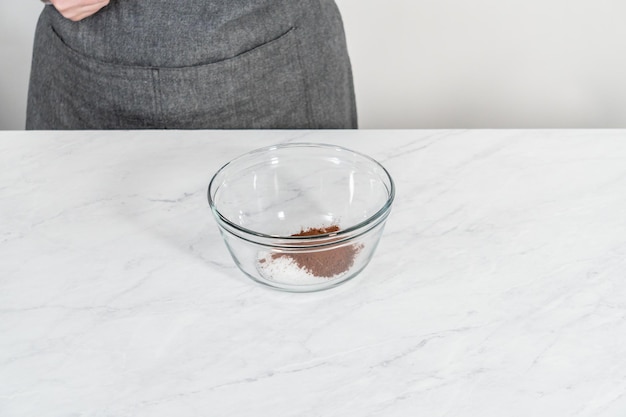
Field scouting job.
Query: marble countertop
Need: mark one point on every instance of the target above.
(498, 288)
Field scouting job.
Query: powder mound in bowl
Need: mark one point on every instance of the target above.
(310, 267)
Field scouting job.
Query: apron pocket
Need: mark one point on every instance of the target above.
(261, 88)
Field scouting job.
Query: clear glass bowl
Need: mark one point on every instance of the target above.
(301, 217)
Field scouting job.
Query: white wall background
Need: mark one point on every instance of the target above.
(440, 63)
(17, 27)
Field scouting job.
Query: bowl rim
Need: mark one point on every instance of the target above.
(373, 219)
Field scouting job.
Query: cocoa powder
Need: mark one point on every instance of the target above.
(326, 263)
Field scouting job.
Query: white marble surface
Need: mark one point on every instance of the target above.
(498, 289)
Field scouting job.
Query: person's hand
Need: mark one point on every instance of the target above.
(76, 10)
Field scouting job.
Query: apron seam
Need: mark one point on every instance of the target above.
(305, 83)
(157, 99)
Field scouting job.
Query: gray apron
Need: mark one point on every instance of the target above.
(193, 64)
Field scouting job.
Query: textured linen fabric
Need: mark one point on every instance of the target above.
(193, 64)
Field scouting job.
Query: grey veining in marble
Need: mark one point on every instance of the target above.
(498, 288)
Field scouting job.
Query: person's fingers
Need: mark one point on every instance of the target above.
(80, 14)
(69, 4)
(76, 10)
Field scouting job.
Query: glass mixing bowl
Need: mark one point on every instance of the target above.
(301, 217)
